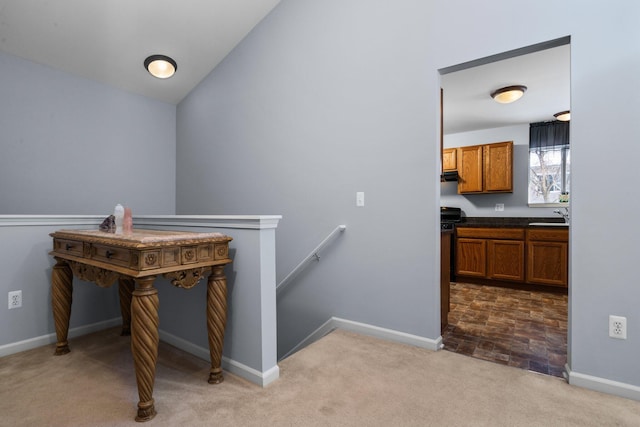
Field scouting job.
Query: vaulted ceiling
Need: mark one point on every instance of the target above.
(108, 40)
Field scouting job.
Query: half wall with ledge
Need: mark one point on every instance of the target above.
(250, 347)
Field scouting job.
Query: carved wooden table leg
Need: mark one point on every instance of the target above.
(144, 343)
(125, 288)
(61, 296)
(216, 320)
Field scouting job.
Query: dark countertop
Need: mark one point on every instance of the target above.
(504, 222)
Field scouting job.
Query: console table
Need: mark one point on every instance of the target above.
(135, 259)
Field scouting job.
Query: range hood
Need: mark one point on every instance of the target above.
(449, 176)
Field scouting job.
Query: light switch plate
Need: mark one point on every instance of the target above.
(360, 199)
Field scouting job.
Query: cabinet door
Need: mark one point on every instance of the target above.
(498, 167)
(450, 159)
(547, 263)
(470, 169)
(471, 257)
(505, 259)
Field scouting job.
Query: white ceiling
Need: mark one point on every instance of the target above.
(108, 40)
(468, 105)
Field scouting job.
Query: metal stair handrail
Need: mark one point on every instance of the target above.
(312, 255)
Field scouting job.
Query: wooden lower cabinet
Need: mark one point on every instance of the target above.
(537, 256)
(547, 257)
(505, 260)
(490, 253)
(471, 257)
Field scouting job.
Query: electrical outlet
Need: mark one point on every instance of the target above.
(499, 207)
(15, 299)
(618, 327)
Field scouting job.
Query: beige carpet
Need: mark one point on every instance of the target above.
(342, 380)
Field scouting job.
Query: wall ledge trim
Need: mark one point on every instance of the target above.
(254, 222)
(603, 385)
(45, 220)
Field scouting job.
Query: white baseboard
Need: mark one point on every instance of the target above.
(603, 385)
(17, 347)
(262, 379)
(366, 329)
(388, 334)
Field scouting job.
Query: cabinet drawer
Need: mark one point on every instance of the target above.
(70, 247)
(111, 255)
(222, 251)
(491, 233)
(150, 259)
(548, 235)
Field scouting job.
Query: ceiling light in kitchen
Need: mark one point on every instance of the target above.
(509, 94)
(160, 66)
(563, 116)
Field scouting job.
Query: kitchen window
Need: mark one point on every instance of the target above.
(549, 163)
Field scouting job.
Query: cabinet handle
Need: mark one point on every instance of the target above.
(68, 246)
(109, 254)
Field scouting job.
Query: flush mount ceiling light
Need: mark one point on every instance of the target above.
(508, 94)
(563, 116)
(160, 66)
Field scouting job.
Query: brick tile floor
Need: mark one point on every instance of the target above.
(525, 329)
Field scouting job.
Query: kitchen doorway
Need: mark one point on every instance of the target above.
(510, 324)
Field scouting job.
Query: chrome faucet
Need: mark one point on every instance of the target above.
(564, 214)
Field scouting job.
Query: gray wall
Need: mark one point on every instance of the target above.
(73, 146)
(328, 98)
(322, 100)
(483, 205)
(26, 265)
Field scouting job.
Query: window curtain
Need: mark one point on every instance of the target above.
(548, 135)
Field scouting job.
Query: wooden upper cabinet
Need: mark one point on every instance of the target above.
(470, 169)
(449, 159)
(498, 167)
(486, 168)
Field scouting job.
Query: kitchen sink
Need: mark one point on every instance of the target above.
(549, 224)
